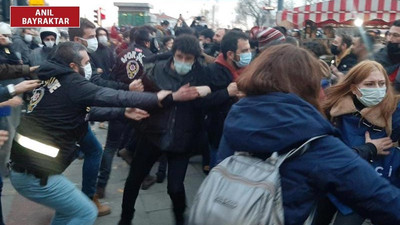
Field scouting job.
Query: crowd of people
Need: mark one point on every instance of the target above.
(170, 93)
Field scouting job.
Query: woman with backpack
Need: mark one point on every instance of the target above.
(280, 112)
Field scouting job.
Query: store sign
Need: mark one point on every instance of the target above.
(57, 16)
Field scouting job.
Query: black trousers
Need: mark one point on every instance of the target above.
(145, 156)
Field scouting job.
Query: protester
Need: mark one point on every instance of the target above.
(49, 37)
(206, 41)
(103, 56)
(389, 56)
(22, 44)
(267, 37)
(168, 42)
(234, 58)
(363, 107)
(341, 49)
(272, 90)
(181, 116)
(363, 47)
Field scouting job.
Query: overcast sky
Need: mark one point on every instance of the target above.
(225, 9)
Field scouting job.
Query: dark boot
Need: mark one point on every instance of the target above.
(124, 222)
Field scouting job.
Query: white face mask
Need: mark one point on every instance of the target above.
(371, 96)
(88, 71)
(28, 37)
(49, 44)
(92, 44)
(103, 40)
(8, 40)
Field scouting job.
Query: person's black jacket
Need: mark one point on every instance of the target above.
(220, 78)
(104, 58)
(347, 63)
(212, 49)
(57, 113)
(390, 65)
(100, 81)
(174, 127)
(146, 52)
(382, 57)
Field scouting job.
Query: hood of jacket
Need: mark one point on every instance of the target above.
(276, 122)
(53, 68)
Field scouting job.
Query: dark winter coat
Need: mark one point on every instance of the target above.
(104, 58)
(175, 126)
(220, 78)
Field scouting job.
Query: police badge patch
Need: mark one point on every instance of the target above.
(35, 99)
(132, 69)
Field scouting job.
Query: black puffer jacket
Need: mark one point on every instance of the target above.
(347, 63)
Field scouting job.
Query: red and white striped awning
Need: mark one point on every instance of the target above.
(373, 12)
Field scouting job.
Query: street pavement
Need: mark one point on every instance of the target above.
(153, 206)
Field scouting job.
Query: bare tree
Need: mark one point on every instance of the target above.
(253, 9)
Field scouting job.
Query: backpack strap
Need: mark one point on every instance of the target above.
(298, 151)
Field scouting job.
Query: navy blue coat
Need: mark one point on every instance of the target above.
(278, 122)
(353, 134)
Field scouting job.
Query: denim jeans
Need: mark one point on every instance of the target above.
(71, 205)
(93, 152)
(115, 130)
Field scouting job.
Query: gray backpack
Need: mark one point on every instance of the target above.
(243, 190)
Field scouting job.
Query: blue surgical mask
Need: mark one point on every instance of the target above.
(371, 96)
(245, 59)
(182, 68)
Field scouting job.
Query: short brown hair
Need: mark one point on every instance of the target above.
(78, 32)
(283, 68)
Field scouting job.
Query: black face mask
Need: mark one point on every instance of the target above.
(335, 50)
(393, 50)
